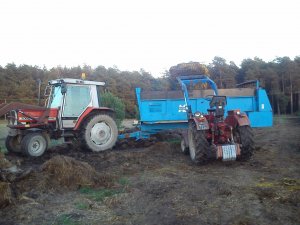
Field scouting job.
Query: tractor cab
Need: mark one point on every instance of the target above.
(71, 98)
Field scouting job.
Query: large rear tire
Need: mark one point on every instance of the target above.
(198, 144)
(244, 136)
(13, 143)
(99, 133)
(34, 144)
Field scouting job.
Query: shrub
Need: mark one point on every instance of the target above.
(111, 101)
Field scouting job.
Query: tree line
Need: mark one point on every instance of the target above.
(280, 77)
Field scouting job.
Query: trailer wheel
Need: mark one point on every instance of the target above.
(198, 144)
(244, 136)
(99, 133)
(13, 143)
(184, 148)
(34, 144)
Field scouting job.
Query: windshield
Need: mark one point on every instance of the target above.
(56, 97)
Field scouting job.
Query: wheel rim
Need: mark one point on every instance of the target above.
(182, 144)
(36, 146)
(100, 133)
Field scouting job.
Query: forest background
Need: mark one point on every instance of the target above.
(280, 78)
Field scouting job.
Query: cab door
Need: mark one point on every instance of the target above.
(76, 99)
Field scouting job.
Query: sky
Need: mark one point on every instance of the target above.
(153, 35)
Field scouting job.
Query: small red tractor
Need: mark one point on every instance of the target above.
(211, 135)
(73, 111)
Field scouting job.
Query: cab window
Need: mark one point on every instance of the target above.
(76, 100)
(56, 97)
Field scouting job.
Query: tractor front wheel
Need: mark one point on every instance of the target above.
(34, 144)
(99, 133)
(244, 136)
(13, 143)
(198, 144)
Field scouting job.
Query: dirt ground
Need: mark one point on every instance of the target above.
(160, 185)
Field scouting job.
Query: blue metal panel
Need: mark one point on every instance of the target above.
(166, 114)
(172, 109)
(158, 127)
(137, 135)
(263, 101)
(260, 119)
(245, 104)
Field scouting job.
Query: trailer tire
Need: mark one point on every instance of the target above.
(198, 144)
(99, 133)
(13, 143)
(244, 136)
(34, 144)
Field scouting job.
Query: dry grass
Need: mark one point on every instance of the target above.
(4, 163)
(5, 194)
(69, 173)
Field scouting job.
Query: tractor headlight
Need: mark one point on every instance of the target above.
(198, 114)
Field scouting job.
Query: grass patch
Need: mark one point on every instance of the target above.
(81, 206)
(57, 142)
(123, 181)
(174, 141)
(285, 183)
(3, 134)
(99, 195)
(266, 184)
(66, 219)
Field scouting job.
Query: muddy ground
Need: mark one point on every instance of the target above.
(159, 185)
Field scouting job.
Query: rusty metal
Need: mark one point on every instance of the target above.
(7, 107)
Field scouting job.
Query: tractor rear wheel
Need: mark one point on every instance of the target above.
(244, 136)
(13, 143)
(34, 144)
(198, 144)
(99, 133)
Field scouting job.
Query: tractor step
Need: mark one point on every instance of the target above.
(228, 152)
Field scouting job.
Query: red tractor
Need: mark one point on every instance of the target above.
(73, 111)
(211, 136)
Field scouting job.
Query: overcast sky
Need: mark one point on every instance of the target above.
(153, 34)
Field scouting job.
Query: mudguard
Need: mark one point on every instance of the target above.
(236, 118)
(201, 123)
(89, 111)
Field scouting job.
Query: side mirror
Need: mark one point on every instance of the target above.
(63, 88)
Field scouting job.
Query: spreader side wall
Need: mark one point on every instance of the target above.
(168, 109)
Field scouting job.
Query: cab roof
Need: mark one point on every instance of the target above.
(75, 81)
